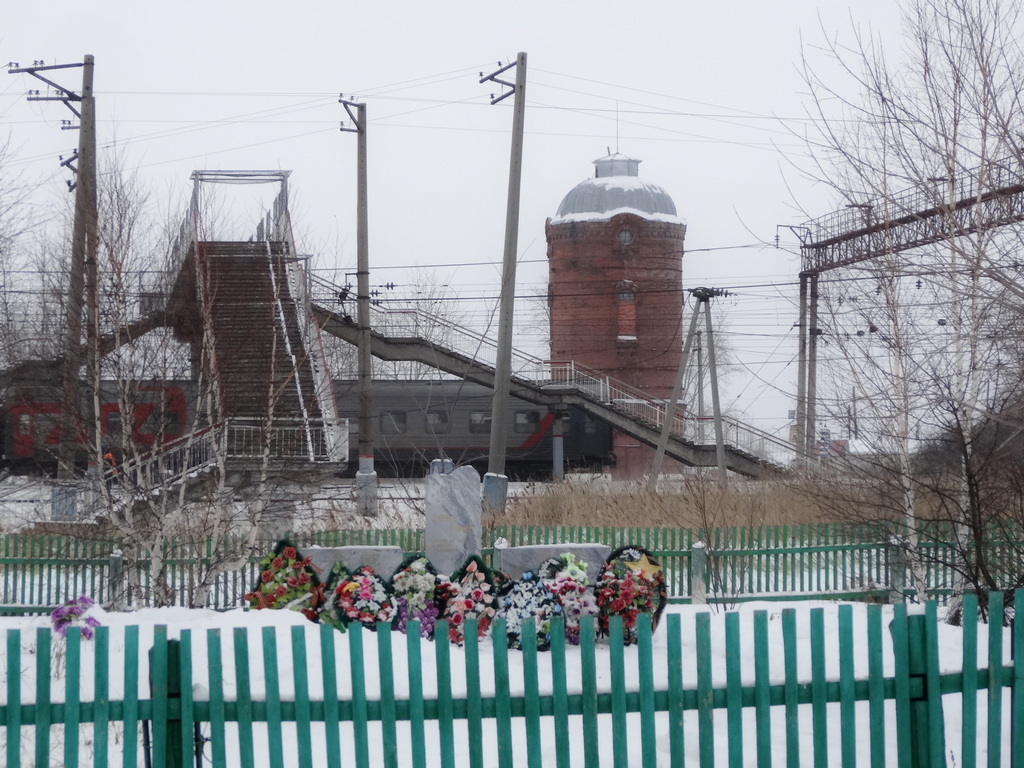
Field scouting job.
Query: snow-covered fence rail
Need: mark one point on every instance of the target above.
(844, 685)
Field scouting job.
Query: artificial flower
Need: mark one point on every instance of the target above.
(363, 597)
(630, 584)
(473, 597)
(287, 580)
(528, 598)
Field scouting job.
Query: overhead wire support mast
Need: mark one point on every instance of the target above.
(83, 278)
(888, 225)
(366, 475)
(703, 297)
(496, 483)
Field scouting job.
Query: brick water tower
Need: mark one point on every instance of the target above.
(615, 270)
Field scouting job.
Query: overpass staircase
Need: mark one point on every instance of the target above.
(257, 354)
(418, 336)
(244, 308)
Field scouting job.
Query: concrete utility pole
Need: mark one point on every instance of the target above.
(83, 285)
(801, 376)
(496, 483)
(670, 409)
(366, 475)
(703, 297)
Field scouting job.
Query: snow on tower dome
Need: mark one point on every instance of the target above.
(616, 188)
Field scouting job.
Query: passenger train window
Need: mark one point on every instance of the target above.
(437, 422)
(479, 423)
(527, 421)
(392, 422)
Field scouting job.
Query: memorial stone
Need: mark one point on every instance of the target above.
(453, 524)
(383, 560)
(517, 560)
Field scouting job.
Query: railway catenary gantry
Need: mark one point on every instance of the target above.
(938, 209)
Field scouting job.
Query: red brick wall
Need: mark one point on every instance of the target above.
(588, 266)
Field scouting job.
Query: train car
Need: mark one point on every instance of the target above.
(31, 427)
(417, 421)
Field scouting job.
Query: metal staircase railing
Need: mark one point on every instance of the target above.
(415, 323)
(537, 372)
(172, 464)
(188, 456)
(333, 429)
(283, 323)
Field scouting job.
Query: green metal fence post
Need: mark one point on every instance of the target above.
(926, 726)
(698, 573)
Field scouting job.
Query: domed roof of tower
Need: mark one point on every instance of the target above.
(616, 188)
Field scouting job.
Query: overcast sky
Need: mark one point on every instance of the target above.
(707, 95)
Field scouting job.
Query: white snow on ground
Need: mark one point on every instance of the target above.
(253, 623)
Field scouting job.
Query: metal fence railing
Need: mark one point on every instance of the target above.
(769, 688)
(733, 564)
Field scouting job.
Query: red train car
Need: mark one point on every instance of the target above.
(31, 425)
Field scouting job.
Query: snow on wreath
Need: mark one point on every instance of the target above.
(287, 580)
(631, 583)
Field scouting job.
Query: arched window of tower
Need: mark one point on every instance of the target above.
(626, 306)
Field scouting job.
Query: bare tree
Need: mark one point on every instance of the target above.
(919, 342)
(170, 474)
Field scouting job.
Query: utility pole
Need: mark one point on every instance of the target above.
(83, 283)
(716, 406)
(495, 482)
(670, 409)
(366, 475)
(700, 390)
(813, 332)
(703, 297)
(801, 376)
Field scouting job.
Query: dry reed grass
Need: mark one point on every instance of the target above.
(691, 502)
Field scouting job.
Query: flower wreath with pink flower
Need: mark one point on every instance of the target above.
(420, 594)
(473, 597)
(566, 578)
(363, 598)
(631, 584)
(287, 580)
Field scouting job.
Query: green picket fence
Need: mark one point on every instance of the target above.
(37, 572)
(799, 688)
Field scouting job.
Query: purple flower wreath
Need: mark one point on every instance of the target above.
(420, 594)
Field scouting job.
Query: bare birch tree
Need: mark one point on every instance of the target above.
(919, 342)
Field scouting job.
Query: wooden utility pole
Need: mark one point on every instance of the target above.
(496, 484)
(366, 475)
(83, 282)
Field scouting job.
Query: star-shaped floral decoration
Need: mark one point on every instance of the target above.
(648, 568)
